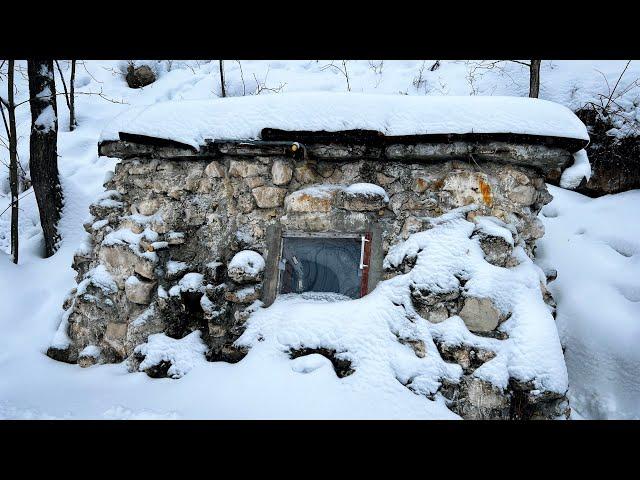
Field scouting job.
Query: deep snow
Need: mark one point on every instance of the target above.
(596, 288)
(242, 118)
(595, 246)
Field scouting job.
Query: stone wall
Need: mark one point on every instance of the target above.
(165, 231)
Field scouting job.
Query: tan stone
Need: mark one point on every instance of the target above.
(281, 173)
(244, 295)
(122, 262)
(480, 314)
(214, 170)
(253, 182)
(148, 206)
(115, 331)
(310, 201)
(522, 194)
(467, 187)
(269, 197)
(243, 168)
(438, 315)
(138, 291)
(363, 203)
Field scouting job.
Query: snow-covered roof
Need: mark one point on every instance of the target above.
(243, 118)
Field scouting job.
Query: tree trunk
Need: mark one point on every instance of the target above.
(534, 78)
(43, 161)
(13, 162)
(224, 92)
(72, 105)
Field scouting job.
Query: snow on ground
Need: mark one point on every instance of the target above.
(31, 294)
(595, 246)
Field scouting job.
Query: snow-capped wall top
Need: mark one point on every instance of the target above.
(243, 118)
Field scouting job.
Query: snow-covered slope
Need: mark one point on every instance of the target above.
(595, 246)
(31, 294)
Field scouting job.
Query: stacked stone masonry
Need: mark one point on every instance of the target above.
(166, 229)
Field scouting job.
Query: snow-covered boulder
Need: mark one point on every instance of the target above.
(246, 266)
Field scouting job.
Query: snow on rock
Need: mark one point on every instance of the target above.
(375, 333)
(98, 277)
(368, 190)
(192, 282)
(191, 122)
(594, 244)
(581, 168)
(494, 227)
(183, 353)
(246, 265)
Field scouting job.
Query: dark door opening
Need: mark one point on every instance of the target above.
(335, 263)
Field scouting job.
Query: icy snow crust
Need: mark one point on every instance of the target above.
(243, 118)
(367, 331)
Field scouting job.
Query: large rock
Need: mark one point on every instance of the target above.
(311, 200)
(122, 263)
(281, 172)
(138, 291)
(244, 168)
(359, 202)
(465, 187)
(214, 170)
(138, 77)
(480, 314)
(269, 197)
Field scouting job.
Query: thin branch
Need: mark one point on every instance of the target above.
(16, 201)
(64, 84)
(616, 85)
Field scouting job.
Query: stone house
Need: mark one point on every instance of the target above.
(196, 237)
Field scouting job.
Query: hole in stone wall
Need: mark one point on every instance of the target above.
(342, 367)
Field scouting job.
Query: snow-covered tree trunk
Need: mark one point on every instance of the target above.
(13, 160)
(43, 161)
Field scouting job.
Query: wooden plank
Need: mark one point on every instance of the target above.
(364, 282)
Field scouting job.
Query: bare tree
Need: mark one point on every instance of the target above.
(473, 69)
(224, 93)
(343, 70)
(534, 78)
(10, 127)
(69, 95)
(43, 160)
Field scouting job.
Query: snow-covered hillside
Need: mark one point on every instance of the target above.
(595, 246)
(592, 243)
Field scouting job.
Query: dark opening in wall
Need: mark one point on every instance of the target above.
(337, 263)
